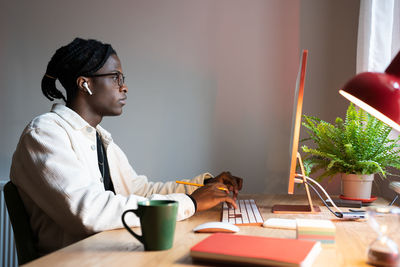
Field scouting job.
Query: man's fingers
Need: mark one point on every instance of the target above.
(239, 182)
(230, 179)
(233, 183)
(234, 195)
(229, 200)
(236, 182)
(220, 186)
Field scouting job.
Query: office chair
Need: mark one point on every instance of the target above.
(23, 234)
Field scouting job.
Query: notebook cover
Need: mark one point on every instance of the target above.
(256, 250)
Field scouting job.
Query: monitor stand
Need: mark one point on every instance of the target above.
(291, 209)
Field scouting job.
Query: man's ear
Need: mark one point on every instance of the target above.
(83, 84)
(80, 81)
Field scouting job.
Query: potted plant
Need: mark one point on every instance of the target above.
(357, 147)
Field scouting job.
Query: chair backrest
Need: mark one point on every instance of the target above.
(24, 238)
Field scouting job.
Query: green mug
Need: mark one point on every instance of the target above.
(157, 220)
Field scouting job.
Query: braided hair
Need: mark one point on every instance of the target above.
(78, 58)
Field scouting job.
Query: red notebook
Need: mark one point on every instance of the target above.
(256, 250)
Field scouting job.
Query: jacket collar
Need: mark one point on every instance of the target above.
(77, 122)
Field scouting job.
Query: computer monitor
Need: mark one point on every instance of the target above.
(294, 144)
(296, 119)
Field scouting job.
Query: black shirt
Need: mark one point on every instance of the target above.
(103, 165)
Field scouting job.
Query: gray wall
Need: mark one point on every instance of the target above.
(210, 82)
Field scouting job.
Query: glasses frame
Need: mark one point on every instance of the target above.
(120, 76)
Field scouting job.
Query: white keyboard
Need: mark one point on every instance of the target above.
(247, 213)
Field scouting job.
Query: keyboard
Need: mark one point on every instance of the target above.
(247, 213)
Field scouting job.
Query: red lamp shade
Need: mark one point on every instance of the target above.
(377, 93)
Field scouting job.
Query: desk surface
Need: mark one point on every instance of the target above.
(119, 248)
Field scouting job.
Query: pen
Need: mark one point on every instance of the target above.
(187, 183)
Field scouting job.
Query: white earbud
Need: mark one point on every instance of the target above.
(87, 88)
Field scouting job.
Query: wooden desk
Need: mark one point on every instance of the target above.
(119, 248)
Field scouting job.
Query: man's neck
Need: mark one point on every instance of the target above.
(86, 113)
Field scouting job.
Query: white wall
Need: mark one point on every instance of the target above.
(210, 82)
(329, 30)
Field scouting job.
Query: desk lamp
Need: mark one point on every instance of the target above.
(379, 95)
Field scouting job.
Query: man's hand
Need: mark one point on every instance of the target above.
(233, 183)
(209, 196)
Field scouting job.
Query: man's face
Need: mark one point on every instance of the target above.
(109, 91)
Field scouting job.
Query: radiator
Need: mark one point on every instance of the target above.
(8, 253)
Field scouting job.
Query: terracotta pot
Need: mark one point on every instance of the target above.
(357, 185)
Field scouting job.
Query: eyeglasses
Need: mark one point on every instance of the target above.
(118, 77)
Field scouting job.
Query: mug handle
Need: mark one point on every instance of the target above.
(138, 237)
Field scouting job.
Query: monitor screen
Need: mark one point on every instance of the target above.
(296, 119)
(294, 144)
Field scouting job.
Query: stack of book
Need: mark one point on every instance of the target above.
(316, 230)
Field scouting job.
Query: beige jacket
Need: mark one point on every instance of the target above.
(56, 170)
